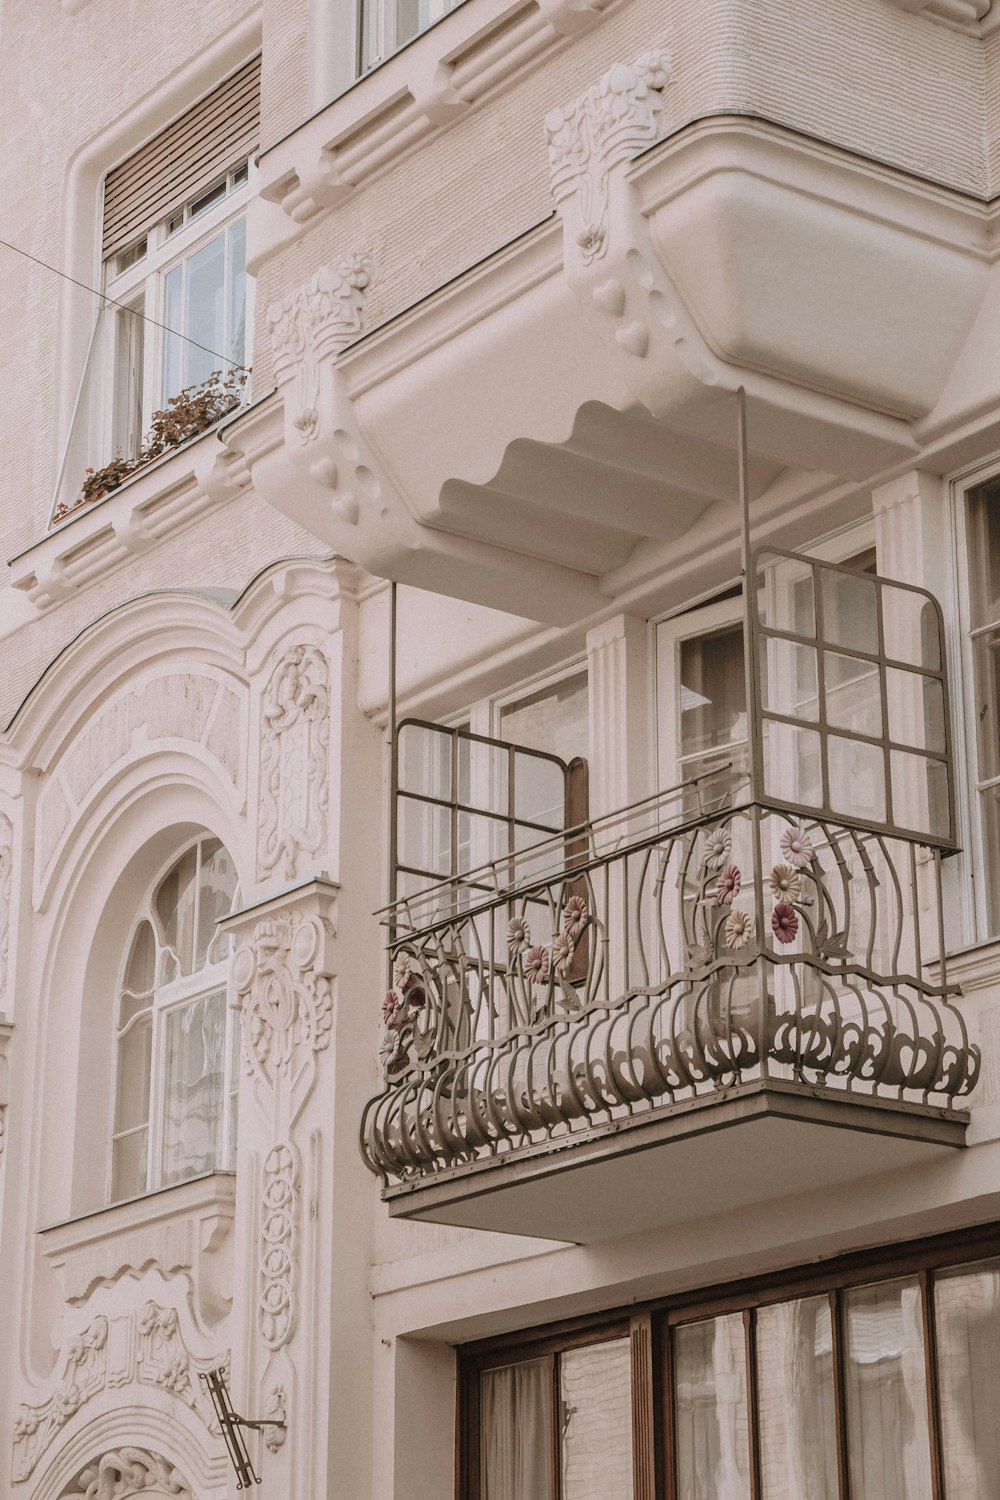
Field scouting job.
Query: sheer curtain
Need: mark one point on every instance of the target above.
(516, 1429)
(888, 1440)
(796, 1402)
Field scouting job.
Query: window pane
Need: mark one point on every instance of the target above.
(888, 1447)
(797, 1415)
(217, 886)
(788, 683)
(712, 691)
(128, 1166)
(554, 719)
(596, 1392)
(910, 625)
(132, 1097)
(848, 610)
(173, 314)
(137, 990)
(857, 778)
(853, 693)
(237, 291)
(205, 320)
(968, 1342)
(193, 1088)
(516, 1432)
(539, 791)
(175, 903)
(425, 761)
(711, 1411)
(127, 431)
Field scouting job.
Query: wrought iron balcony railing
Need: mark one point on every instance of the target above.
(690, 946)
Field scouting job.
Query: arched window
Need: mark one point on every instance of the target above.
(175, 1037)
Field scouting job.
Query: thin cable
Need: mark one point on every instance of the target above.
(114, 303)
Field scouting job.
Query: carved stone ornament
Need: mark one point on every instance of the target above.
(609, 124)
(277, 1411)
(146, 1346)
(127, 1471)
(278, 1248)
(287, 999)
(294, 762)
(312, 324)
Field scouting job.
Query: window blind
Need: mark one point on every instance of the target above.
(186, 157)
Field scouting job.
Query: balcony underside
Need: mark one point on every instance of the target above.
(744, 1145)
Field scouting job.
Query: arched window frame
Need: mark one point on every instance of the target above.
(158, 1006)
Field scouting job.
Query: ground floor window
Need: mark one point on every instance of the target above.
(872, 1378)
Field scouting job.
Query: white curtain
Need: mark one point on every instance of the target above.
(887, 1435)
(713, 1453)
(796, 1403)
(516, 1432)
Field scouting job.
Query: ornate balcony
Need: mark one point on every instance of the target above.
(571, 1024)
(687, 964)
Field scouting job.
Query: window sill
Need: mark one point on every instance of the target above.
(402, 101)
(975, 968)
(157, 503)
(178, 1229)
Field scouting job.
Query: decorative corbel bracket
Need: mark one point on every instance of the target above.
(610, 262)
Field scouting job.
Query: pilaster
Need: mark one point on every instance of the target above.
(618, 656)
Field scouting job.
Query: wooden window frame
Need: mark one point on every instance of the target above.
(650, 1327)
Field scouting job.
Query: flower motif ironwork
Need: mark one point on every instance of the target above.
(728, 887)
(784, 923)
(718, 844)
(797, 847)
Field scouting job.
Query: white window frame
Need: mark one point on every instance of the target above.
(145, 280)
(169, 997)
(378, 33)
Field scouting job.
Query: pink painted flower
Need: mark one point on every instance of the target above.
(392, 1009)
(785, 883)
(562, 952)
(518, 934)
(738, 929)
(796, 846)
(729, 886)
(576, 914)
(536, 965)
(784, 923)
(717, 846)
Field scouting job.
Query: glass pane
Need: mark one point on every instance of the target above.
(910, 627)
(128, 1166)
(193, 1088)
(712, 691)
(596, 1391)
(785, 595)
(483, 775)
(479, 841)
(175, 903)
(132, 1092)
(797, 1415)
(516, 1432)
(205, 313)
(857, 778)
(137, 989)
(916, 709)
(990, 806)
(853, 694)
(788, 678)
(425, 761)
(217, 886)
(711, 1411)
(173, 302)
(792, 767)
(848, 610)
(555, 719)
(887, 1441)
(920, 794)
(127, 433)
(968, 1343)
(539, 791)
(237, 291)
(424, 836)
(986, 655)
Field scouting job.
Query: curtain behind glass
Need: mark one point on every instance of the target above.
(887, 1437)
(193, 1088)
(713, 1452)
(516, 1432)
(967, 1308)
(596, 1393)
(797, 1416)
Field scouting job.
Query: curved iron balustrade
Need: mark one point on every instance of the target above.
(655, 958)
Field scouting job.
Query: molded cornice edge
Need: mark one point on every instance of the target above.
(964, 14)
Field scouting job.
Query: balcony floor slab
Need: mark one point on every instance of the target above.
(741, 1146)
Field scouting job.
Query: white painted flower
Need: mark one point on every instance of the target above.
(402, 968)
(518, 934)
(562, 952)
(796, 846)
(738, 929)
(717, 846)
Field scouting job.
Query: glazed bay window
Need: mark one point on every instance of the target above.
(873, 1378)
(175, 1037)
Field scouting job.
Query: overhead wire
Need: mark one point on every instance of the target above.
(113, 302)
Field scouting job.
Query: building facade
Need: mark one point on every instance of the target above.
(500, 766)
